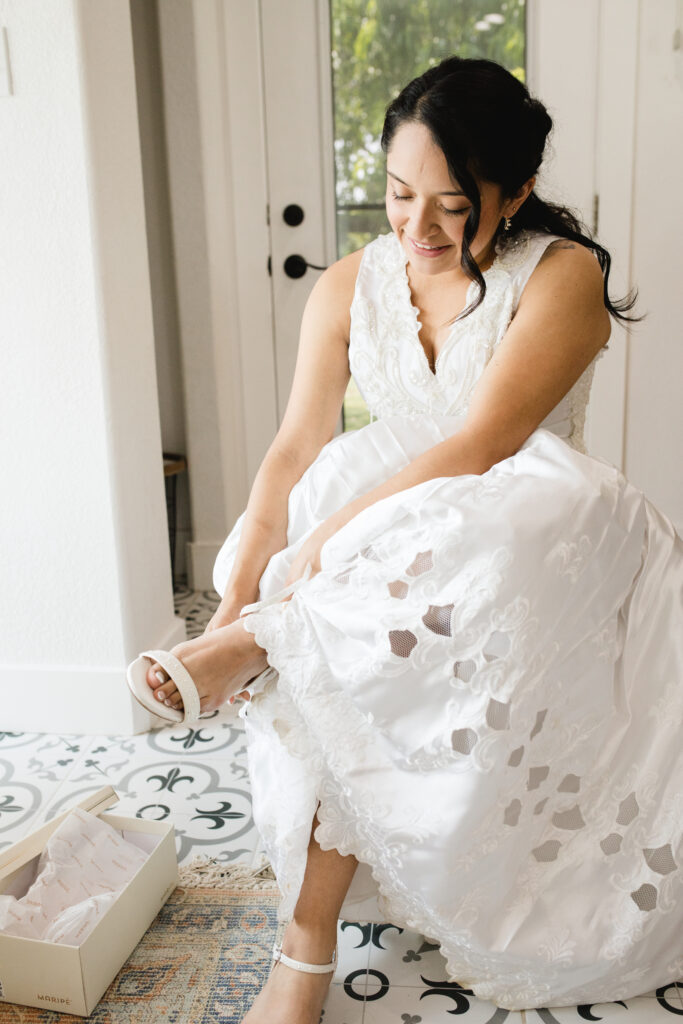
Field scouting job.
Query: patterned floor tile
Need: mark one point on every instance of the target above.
(225, 839)
(33, 766)
(182, 597)
(19, 804)
(405, 956)
(164, 787)
(633, 1011)
(403, 1004)
(353, 954)
(117, 761)
(672, 993)
(259, 854)
(198, 610)
(212, 736)
(41, 756)
(342, 1006)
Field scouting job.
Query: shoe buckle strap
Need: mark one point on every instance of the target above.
(299, 965)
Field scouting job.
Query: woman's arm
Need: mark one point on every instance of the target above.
(320, 379)
(264, 529)
(560, 325)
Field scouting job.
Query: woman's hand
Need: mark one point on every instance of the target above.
(229, 608)
(229, 611)
(310, 550)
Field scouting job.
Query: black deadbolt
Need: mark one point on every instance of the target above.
(293, 215)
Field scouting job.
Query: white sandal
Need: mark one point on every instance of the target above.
(136, 673)
(299, 965)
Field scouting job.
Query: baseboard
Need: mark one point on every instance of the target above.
(201, 558)
(87, 700)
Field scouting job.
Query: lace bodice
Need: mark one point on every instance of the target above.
(388, 361)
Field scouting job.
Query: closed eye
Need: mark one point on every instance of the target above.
(454, 213)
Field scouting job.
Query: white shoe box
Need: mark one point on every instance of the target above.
(72, 979)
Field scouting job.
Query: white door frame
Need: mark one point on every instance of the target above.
(615, 185)
(297, 89)
(582, 61)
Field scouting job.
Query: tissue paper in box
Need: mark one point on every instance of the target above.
(72, 978)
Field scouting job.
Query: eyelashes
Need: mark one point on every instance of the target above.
(453, 213)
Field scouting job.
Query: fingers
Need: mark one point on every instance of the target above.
(244, 694)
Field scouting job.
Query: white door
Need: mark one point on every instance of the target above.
(302, 40)
(300, 168)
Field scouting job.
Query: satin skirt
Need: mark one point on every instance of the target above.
(481, 693)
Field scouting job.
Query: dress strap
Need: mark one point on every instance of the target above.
(257, 606)
(537, 245)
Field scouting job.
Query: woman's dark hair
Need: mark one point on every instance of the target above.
(489, 128)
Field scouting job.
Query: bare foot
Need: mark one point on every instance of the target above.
(221, 664)
(290, 996)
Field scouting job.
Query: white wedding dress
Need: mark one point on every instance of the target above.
(483, 686)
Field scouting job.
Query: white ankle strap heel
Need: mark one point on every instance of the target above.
(299, 965)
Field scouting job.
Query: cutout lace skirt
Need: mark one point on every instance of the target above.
(483, 690)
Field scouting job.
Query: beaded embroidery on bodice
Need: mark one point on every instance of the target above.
(386, 356)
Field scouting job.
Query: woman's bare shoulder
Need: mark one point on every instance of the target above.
(567, 271)
(333, 292)
(565, 263)
(343, 272)
(572, 255)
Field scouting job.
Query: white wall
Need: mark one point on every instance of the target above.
(206, 217)
(85, 564)
(618, 136)
(161, 255)
(561, 38)
(654, 424)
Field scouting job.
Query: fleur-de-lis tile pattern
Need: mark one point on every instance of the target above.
(197, 778)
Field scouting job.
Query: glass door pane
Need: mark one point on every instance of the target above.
(377, 47)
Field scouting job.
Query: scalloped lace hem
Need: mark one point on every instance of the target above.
(342, 828)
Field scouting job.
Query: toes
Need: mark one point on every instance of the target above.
(172, 698)
(165, 690)
(153, 679)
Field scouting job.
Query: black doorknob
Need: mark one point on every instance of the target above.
(295, 266)
(293, 215)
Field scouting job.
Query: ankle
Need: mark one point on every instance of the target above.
(310, 941)
(254, 656)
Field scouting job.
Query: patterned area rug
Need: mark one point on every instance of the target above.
(202, 961)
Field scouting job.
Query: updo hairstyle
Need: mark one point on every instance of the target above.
(489, 128)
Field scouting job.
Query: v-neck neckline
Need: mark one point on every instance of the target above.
(433, 374)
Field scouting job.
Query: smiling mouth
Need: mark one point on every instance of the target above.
(427, 248)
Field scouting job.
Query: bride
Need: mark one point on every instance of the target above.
(458, 636)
